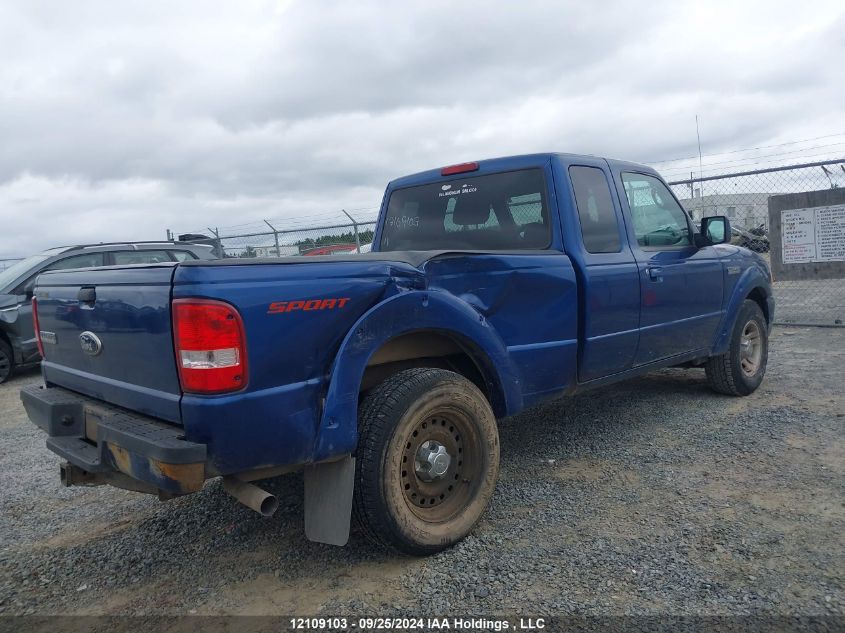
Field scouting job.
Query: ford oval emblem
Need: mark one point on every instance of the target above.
(90, 343)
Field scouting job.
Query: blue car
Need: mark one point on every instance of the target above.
(492, 286)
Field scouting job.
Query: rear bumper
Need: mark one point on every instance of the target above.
(99, 438)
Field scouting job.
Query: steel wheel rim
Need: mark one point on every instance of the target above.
(442, 498)
(750, 348)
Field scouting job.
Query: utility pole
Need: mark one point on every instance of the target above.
(700, 162)
(355, 228)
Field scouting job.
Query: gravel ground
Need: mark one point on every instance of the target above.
(652, 497)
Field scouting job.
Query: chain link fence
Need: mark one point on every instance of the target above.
(332, 239)
(744, 199)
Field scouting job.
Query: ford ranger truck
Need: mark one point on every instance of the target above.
(492, 286)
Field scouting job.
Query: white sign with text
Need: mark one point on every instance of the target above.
(813, 235)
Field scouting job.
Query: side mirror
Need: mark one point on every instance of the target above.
(29, 289)
(717, 229)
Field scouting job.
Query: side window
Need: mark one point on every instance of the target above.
(123, 258)
(182, 256)
(599, 224)
(658, 219)
(87, 260)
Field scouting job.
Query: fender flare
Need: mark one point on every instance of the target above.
(413, 311)
(752, 279)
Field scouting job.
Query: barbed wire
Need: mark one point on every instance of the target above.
(6, 262)
(755, 161)
(742, 196)
(363, 215)
(747, 149)
(284, 223)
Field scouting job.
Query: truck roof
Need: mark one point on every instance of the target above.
(508, 163)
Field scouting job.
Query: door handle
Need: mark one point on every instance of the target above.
(655, 273)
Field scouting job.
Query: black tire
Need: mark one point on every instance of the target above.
(7, 361)
(408, 504)
(740, 371)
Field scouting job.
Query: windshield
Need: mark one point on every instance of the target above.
(13, 272)
(506, 211)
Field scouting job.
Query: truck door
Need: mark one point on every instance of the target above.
(609, 285)
(681, 285)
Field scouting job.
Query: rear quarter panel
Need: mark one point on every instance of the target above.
(515, 314)
(274, 419)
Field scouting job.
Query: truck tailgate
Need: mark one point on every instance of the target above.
(107, 334)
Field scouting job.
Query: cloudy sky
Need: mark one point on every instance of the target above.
(120, 120)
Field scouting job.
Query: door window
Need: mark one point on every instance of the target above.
(659, 221)
(123, 258)
(183, 256)
(87, 260)
(599, 224)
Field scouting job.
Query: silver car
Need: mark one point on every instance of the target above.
(17, 336)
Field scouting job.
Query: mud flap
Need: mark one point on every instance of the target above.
(328, 501)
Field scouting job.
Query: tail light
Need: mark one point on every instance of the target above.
(210, 346)
(37, 327)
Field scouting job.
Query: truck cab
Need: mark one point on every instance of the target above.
(491, 286)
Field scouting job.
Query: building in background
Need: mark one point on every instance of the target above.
(272, 251)
(743, 209)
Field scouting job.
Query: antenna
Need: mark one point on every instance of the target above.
(700, 166)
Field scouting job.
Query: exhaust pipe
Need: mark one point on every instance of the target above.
(251, 496)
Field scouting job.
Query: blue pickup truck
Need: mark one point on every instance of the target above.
(491, 286)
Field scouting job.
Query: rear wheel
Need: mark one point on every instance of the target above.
(7, 361)
(740, 371)
(427, 460)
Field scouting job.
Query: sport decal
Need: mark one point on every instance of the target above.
(308, 305)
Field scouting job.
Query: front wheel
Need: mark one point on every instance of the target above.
(740, 371)
(7, 361)
(427, 460)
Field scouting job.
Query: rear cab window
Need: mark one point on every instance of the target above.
(504, 211)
